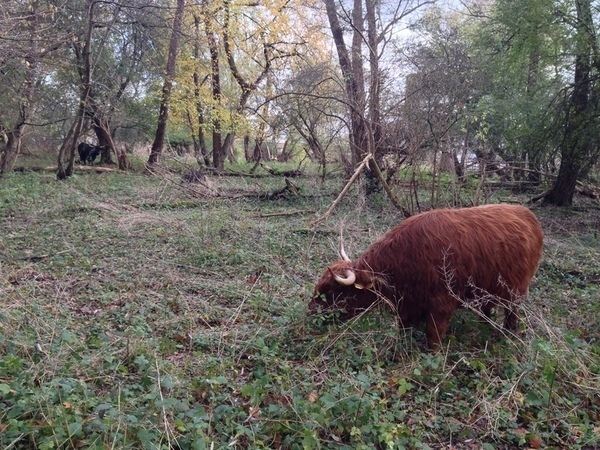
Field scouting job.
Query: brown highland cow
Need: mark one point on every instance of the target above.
(435, 262)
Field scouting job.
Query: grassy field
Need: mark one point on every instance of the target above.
(143, 312)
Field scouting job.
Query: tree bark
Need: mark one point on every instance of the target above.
(200, 149)
(375, 84)
(12, 149)
(578, 142)
(352, 76)
(67, 149)
(217, 145)
(163, 117)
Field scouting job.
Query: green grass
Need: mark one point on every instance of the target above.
(136, 312)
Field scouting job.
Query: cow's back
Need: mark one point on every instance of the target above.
(459, 254)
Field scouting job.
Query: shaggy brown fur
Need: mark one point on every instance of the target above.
(432, 263)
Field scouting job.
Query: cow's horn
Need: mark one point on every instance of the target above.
(342, 251)
(346, 281)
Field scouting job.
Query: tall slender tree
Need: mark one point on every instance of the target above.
(163, 116)
(215, 82)
(66, 154)
(200, 149)
(352, 73)
(247, 83)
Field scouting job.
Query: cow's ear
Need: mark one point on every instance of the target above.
(361, 286)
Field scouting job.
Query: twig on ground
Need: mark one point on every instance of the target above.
(40, 257)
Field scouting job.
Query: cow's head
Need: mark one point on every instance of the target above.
(343, 288)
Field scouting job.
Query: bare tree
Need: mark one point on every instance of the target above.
(245, 83)
(200, 148)
(215, 79)
(363, 92)
(309, 106)
(163, 117)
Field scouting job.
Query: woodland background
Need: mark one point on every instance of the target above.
(502, 86)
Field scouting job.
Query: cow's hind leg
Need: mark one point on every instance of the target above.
(511, 316)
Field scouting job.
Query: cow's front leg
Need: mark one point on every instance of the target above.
(437, 326)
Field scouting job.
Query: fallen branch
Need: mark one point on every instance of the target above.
(364, 163)
(289, 189)
(285, 173)
(587, 190)
(537, 197)
(288, 213)
(84, 168)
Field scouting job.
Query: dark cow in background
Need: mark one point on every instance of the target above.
(435, 262)
(88, 153)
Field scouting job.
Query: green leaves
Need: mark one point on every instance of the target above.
(404, 386)
(4, 389)
(137, 342)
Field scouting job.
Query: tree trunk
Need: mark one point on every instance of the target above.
(531, 144)
(577, 143)
(163, 117)
(247, 153)
(374, 109)
(13, 145)
(215, 77)
(352, 71)
(227, 146)
(375, 83)
(11, 150)
(85, 68)
(67, 149)
(105, 140)
(102, 130)
(200, 149)
(563, 190)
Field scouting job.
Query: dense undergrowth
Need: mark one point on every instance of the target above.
(135, 313)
